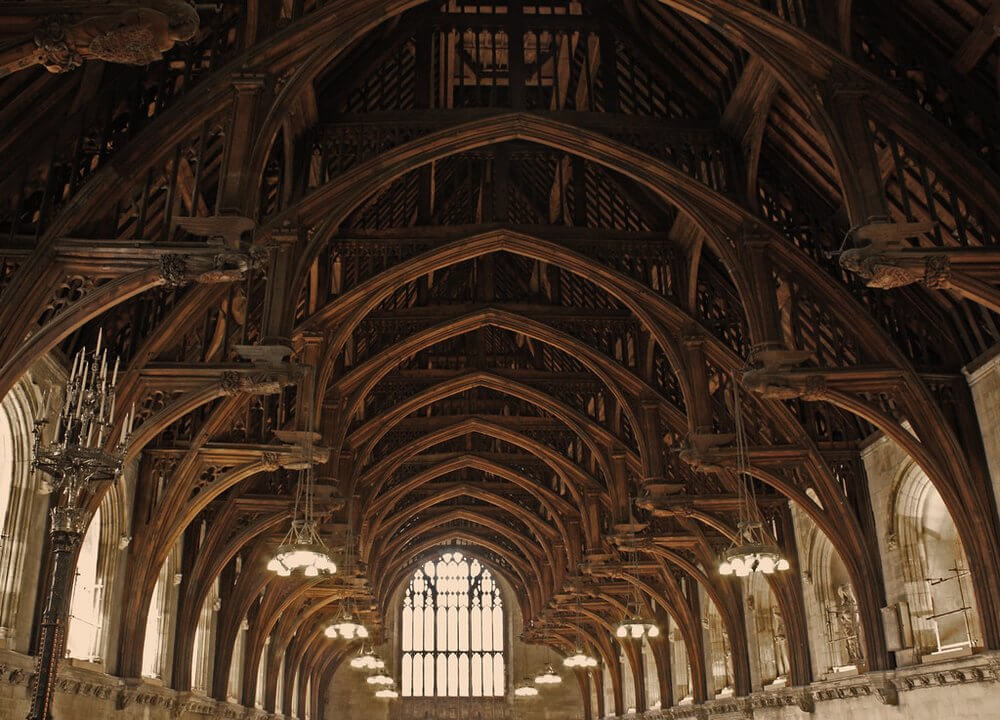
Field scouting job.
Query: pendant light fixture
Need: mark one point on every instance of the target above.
(302, 547)
(579, 659)
(346, 626)
(635, 626)
(752, 551)
(367, 660)
(548, 676)
(380, 678)
(525, 688)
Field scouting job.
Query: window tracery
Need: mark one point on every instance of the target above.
(453, 631)
(85, 610)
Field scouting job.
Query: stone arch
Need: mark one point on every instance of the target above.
(22, 513)
(933, 563)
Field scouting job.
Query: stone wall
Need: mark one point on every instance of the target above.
(984, 384)
(86, 694)
(968, 688)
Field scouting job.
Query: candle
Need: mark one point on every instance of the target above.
(76, 361)
(100, 335)
(114, 375)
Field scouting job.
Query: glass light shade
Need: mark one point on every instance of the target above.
(637, 628)
(311, 558)
(525, 689)
(347, 629)
(580, 659)
(386, 694)
(742, 560)
(548, 677)
(379, 678)
(367, 661)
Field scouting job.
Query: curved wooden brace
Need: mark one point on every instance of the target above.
(362, 379)
(569, 472)
(651, 308)
(372, 431)
(544, 533)
(23, 353)
(209, 564)
(378, 507)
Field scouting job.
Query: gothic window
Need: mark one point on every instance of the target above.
(6, 469)
(628, 683)
(85, 609)
(452, 631)
(156, 642)
(649, 668)
(204, 642)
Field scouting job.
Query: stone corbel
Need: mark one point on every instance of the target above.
(806, 702)
(886, 692)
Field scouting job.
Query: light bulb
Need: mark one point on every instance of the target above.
(653, 631)
(636, 630)
(767, 564)
(622, 631)
(782, 564)
(725, 568)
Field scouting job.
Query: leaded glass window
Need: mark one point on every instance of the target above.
(452, 631)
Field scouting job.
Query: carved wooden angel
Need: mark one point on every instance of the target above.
(71, 32)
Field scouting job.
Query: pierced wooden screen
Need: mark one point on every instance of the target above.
(452, 631)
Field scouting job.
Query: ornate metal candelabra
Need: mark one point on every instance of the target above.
(77, 458)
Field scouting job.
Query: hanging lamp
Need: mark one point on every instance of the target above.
(579, 659)
(548, 676)
(302, 548)
(380, 678)
(636, 626)
(346, 626)
(752, 551)
(367, 660)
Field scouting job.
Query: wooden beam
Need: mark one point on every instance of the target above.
(979, 41)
